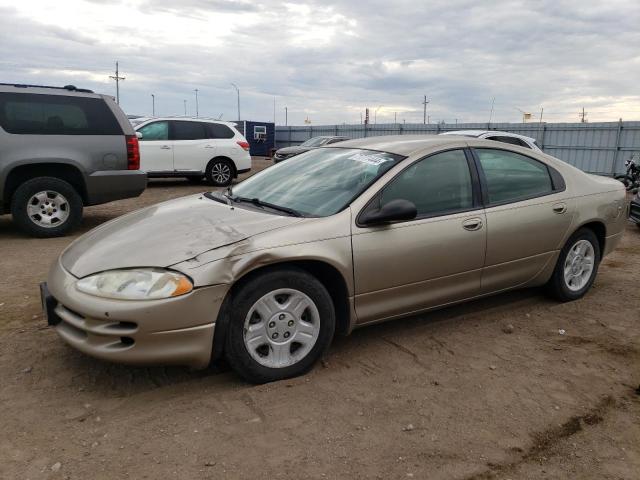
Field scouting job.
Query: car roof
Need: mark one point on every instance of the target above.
(188, 119)
(68, 90)
(398, 144)
(478, 133)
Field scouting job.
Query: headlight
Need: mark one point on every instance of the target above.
(136, 284)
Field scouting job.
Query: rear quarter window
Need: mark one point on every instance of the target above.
(35, 114)
(217, 130)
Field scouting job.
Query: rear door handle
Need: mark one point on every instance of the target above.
(209, 146)
(165, 147)
(472, 224)
(559, 208)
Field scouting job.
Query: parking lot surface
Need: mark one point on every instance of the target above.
(513, 386)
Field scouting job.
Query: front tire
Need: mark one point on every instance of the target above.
(46, 207)
(219, 172)
(577, 266)
(281, 324)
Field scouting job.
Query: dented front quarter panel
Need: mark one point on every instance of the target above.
(325, 239)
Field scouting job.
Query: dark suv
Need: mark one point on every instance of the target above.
(61, 149)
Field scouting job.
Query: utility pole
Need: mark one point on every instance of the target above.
(117, 78)
(197, 113)
(153, 105)
(395, 117)
(491, 113)
(238, 92)
(424, 116)
(286, 115)
(583, 116)
(185, 108)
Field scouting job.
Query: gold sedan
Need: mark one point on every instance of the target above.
(333, 239)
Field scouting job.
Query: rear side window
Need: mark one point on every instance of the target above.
(188, 131)
(511, 177)
(35, 114)
(436, 185)
(217, 130)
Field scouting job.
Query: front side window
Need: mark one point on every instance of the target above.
(437, 184)
(155, 131)
(320, 182)
(188, 130)
(511, 176)
(35, 114)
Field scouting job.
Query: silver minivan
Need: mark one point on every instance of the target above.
(62, 148)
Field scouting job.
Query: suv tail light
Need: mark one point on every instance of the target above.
(244, 145)
(133, 152)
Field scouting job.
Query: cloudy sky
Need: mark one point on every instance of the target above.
(327, 60)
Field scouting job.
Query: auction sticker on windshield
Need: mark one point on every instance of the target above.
(370, 159)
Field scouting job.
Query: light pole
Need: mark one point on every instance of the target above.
(238, 92)
(286, 115)
(185, 108)
(153, 105)
(196, 90)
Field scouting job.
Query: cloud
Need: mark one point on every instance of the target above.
(330, 59)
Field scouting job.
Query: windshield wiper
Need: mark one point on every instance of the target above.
(263, 204)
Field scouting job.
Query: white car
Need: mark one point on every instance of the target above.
(496, 136)
(193, 148)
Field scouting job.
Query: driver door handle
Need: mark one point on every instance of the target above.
(472, 224)
(165, 147)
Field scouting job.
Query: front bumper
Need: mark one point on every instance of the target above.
(172, 331)
(109, 185)
(634, 211)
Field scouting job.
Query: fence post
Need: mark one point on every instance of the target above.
(310, 131)
(544, 130)
(616, 154)
(401, 129)
(289, 136)
(336, 130)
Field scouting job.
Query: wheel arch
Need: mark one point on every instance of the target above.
(324, 272)
(599, 229)
(63, 171)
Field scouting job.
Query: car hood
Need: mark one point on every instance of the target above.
(292, 150)
(166, 234)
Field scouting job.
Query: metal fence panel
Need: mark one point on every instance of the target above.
(600, 147)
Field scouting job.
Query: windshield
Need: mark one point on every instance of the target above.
(315, 142)
(319, 182)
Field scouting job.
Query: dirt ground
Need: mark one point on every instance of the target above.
(490, 389)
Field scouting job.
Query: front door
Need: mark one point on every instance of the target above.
(156, 151)
(435, 259)
(192, 148)
(528, 215)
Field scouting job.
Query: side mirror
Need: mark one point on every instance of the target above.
(139, 135)
(394, 211)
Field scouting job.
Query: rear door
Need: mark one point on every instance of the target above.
(528, 214)
(156, 150)
(192, 147)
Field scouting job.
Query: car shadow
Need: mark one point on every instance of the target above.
(113, 380)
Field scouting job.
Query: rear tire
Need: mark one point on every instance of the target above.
(219, 172)
(577, 266)
(280, 325)
(46, 207)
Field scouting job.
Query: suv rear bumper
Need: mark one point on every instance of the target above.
(109, 185)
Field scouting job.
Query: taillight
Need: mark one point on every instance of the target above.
(133, 152)
(244, 145)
